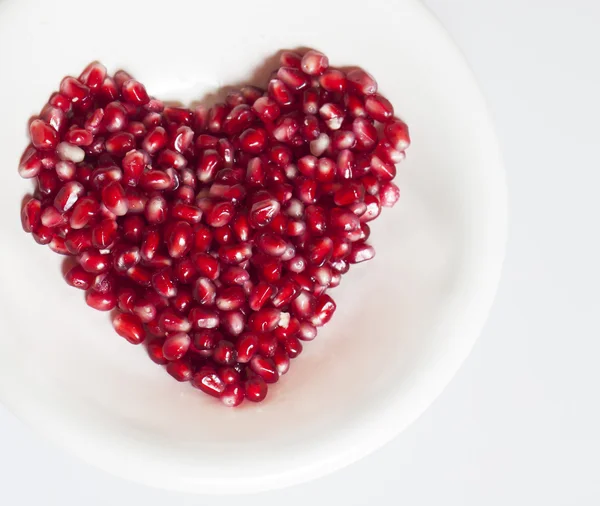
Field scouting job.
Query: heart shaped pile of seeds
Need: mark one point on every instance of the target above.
(215, 234)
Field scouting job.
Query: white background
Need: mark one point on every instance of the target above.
(520, 423)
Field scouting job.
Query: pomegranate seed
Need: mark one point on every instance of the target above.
(290, 59)
(114, 198)
(156, 354)
(256, 389)
(178, 115)
(333, 80)
(170, 321)
(379, 108)
(42, 234)
(101, 301)
(180, 370)
(365, 133)
(30, 164)
(324, 309)
(389, 194)
(207, 380)
(293, 78)
(230, 298)
(104, 234)
(180, 240)
(74, 90)
(266, 109)
(79, 278)
(281, 361)
(216, 117)
(360, 253)
(176, 346)
(224, 353)
(361, 82)
(155, 140)
(43, 136)
(233, 395)
(133, 165)
(67, 196)
(130, 327)
(386, 152)
(95, 262)
(320, 144)
(264, 320)
(280, 93)
(202, 318)
(70, 152)
(397, 134)
(30, 214)
(156, 210)
(115, 117)
(263, 212)
(164, 283)
(265, 368)
(373, 209)
(134, 92)
(292, 346)
(333, 115)
(314, 63)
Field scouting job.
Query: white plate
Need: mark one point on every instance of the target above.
(405, 321)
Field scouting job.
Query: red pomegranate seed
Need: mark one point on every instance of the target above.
(314, 63)
(145, 310)
(373, 208)
(264, 320)
(324, 309)
(379, 108)
(265, 368)
(101, 301)
(263, 212)
(30, 164)
(292, 346)
(156, 210)
(95, 262)
(155, 140)
(360, 253)
(386, 152)
(293, 78)
(79, 278)
(65, 170)
(361, 82)
(170, 321)
(246, 346)
(224, 353)
(280, 93)
(104, 234)
(130, 327)
(349, 193)
(43, 136)
(320, 144)
(281, 361)
(266, 109)
(333, 115)
(204, 291)
(230, 298)
(115, 117)
(68, 195)
(114, 198)
(208, 165)
(253, 140)
(202, 318)
(397, 134)
(140, 275)
(163, 282)
(238, 119)
(133, 165)
(180, 370)
(120, 143)
(233, 395)
(156, 354)
(389, 194)
(216, 117)
(306, 190)
(42, 234)
(134, 92)
(290, 59)
(207, 380)
(176, 346)
(74, 90)
(286, 291)
(180, 240)
(30, 214)
(256, 389)
(365, 133)
(333, 80)
(183, 301)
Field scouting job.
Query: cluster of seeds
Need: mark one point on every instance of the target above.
(216, 233)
